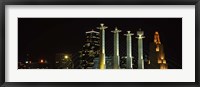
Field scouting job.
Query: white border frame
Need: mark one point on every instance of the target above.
(186, 74)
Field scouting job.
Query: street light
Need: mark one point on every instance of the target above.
(66, 57)
(66, 61)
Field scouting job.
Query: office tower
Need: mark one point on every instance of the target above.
(90, 50)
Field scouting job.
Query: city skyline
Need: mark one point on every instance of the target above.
(43, 37)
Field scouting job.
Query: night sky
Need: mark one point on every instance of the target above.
(43, 37)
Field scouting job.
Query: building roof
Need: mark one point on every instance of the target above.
(92, 31)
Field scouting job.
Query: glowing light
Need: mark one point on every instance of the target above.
(41, 61)
(164, 61)
(149, 62)
(159, 61)
(157, 49)
(66, 57)
(157, 38)
(26, 62)
(156, 32)
(162, 57)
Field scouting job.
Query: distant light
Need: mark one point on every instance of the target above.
(162, 57)
(149, 62)
(157, 49)
(164, 61)
(26, 62)
(41, 61)
(66, 57)
(159, 61)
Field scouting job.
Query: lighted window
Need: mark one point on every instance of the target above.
(164, 61)
(157, 49)
(162, 57)
(159, 61)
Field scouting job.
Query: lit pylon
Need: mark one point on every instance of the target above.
(129, 50)
(116, 49)
(140, 49)
(102, 54)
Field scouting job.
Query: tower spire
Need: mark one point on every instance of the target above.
(102, 28)
(116, 48)
(140, 49)
(129, 50)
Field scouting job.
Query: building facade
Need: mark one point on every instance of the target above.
(156, 54)
(90, 50)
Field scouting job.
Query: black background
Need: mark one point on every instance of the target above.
(42, 37)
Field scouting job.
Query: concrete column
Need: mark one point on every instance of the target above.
(129, 50)
(102, 64)
(140, 49)
(116, 49)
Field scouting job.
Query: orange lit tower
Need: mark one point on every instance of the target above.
(156, 56)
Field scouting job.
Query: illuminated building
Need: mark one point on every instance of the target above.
(116, 49)
(156, 54)
(140, 49)
(102, 64)
(90, 50)
(129, 50)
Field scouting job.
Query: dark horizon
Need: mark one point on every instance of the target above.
(43, 37)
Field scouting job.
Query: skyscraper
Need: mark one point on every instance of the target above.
(90, 50)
